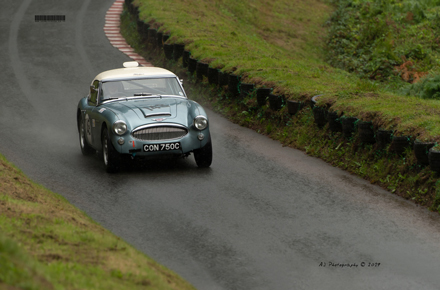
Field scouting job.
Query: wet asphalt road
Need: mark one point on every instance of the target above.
(262, 217)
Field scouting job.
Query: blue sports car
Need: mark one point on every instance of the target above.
(141, 112)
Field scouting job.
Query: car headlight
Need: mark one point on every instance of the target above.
(200, 122)
(119, 127)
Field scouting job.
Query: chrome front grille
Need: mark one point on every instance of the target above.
(157, 133)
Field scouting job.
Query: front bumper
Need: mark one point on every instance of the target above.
(188, 143)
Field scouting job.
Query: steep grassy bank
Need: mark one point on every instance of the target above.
(272, 43)
(390, 41)
(301, 75)
(280, 45)
(46, 243)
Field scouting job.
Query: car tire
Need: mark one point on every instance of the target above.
(203, 156)
(109, 154)
(86, 149)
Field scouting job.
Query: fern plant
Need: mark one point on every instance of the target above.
(427, 88)
(375, 38)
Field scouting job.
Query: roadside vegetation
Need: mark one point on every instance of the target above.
(47, 243)
(270, 43)
(397, 45)
(292, 50)
(389, 41)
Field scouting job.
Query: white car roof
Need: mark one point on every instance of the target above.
(133, 73)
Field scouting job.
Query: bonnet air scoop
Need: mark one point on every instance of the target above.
(156, 110)
(156, 114)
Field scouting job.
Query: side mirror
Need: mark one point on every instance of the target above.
(93, 89)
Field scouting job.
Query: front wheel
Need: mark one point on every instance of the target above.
(86, 149)
(109, 154)
(203, 156)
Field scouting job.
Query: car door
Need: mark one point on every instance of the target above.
(89, 122)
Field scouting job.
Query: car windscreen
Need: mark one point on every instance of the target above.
(153, 86)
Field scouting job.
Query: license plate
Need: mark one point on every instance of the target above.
(161, 147)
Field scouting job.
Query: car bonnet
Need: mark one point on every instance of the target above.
(139, 112)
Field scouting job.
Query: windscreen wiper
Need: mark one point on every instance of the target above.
(142, 94)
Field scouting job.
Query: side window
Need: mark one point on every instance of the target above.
(94, 93)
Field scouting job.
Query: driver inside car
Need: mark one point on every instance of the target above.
(112, 90)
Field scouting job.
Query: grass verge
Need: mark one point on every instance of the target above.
(366, 100)
(47, 243)
(281, 46)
